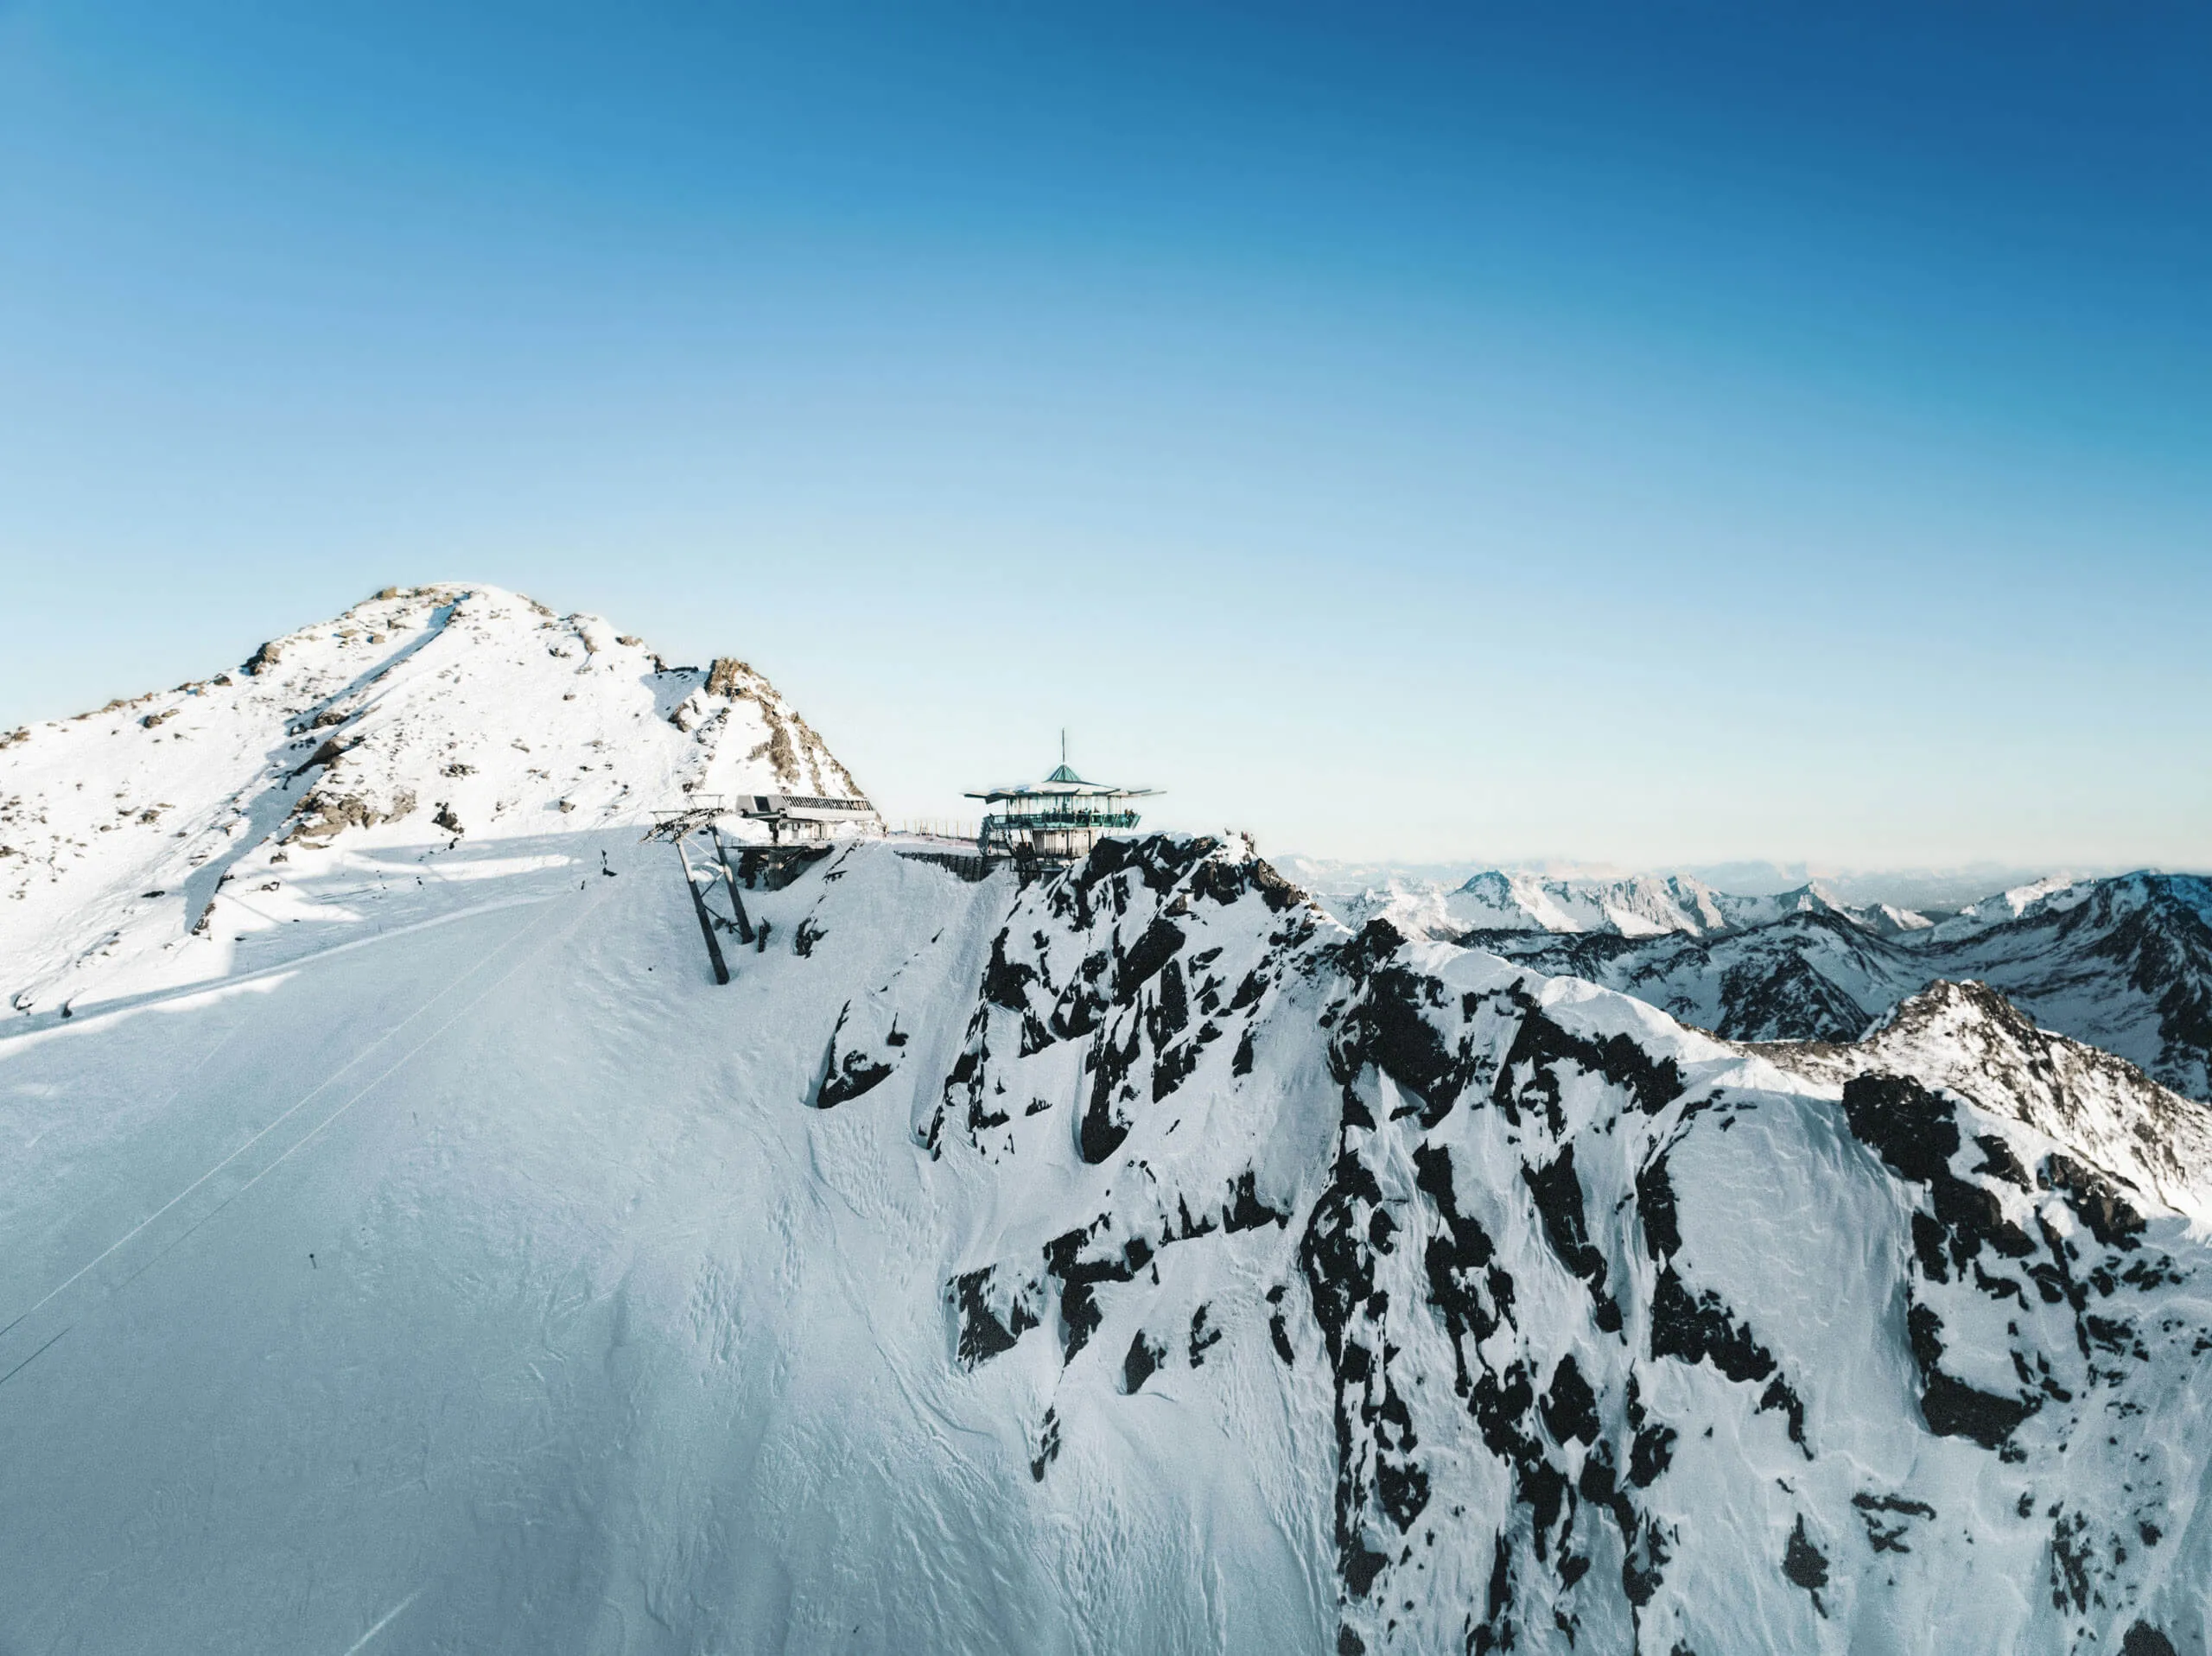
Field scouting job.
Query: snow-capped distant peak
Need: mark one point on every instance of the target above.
(2054, 892)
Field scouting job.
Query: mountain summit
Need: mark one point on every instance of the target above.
(424, 716)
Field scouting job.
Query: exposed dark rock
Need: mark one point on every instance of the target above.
(1954, 1409)
(1570, 1408)
(983, 1334)
(1541, 1045)
(2111, 1220)
(1558, 1195)
(1144, 1357)
(1701, 1330)
(1806, 1566)
(1151, 951)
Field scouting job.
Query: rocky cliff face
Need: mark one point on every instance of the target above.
(1627, 1339)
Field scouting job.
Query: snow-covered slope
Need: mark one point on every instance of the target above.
(181, 832)
(1136, 1259)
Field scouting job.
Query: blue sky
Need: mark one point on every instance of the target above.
(1645, 434)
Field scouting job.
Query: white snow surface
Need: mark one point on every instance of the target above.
(428, 1255)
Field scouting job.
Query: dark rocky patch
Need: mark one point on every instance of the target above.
(983, 1335)
(1950, 1406)
(1558, 1195)
(1082, 1003)
(1954, 1409)
(1151, 952)
(1006, 983)
(1570, 1407)
(1245, 1210)
(1806, 1566)
(1048, 1445)
(2096, 1199)
(1496, 1631)
(2072, 1558)
(1881, 1535)
(1078, 1278)
(1455, 1259)
(852, 1075)
(1202, 1339)
(1104, 1127)
(1701, 1330)
(1654, 1449)
(847, 1073)
(1913, 1130)
(1998, 1161)
(1144, 1359)
(1169, 1012)
(1541, 1045)
(1387, 1027)
(1655, 1202)
(1377, 1472)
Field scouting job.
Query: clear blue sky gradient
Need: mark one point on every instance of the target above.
(1639, 433)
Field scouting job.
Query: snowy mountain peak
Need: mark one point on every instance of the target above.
(418, 718)
(1971, 1041)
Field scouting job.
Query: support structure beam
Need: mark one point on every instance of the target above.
(729, 879)
(706, 919)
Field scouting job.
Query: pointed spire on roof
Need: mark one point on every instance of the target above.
(1063, 774)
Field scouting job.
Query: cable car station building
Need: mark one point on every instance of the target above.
(1055, 821)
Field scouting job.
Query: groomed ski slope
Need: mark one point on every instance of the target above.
(489, 1283)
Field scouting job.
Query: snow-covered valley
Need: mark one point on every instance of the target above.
(407, 1244)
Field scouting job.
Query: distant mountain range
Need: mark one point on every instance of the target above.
(2123, 962)
(1929, 890)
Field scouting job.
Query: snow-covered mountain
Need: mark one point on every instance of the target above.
(217, 812)
(1636, 905)
(1133, 1259)
(2124, 963)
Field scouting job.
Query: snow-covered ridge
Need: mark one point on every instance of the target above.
(1637, 905)
(1132, 1259)
(182, 817)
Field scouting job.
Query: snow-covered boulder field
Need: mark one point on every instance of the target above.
(427, 1254)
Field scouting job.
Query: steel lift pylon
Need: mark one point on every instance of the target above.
(704, 877)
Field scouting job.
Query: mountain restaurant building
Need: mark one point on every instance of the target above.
(1057, 819)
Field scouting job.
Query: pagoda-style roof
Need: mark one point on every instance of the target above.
(1063, 783)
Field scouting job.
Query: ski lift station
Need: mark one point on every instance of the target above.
(1033, 825)
(1055, 821)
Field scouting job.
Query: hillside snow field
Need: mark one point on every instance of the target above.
(428, 1255)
